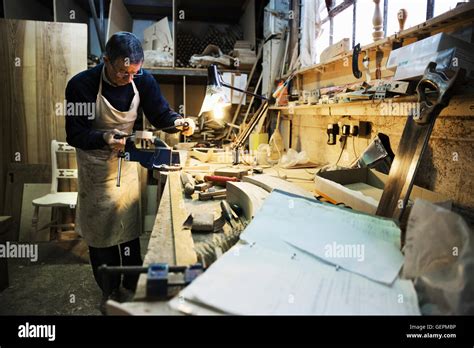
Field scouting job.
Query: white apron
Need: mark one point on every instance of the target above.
(107, 215)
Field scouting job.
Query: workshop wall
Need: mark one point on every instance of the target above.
(446, 167)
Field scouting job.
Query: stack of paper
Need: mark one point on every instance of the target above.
(299, 256)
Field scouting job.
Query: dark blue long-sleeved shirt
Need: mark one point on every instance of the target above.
(83, 88)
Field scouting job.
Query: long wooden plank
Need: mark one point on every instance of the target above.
(36, 61)
(183, 241)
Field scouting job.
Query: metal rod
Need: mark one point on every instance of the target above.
(101, 18)
(246, 92)
(354, 23)
(97, 25)
(429, 9)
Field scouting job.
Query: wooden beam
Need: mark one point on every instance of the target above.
(183, 241)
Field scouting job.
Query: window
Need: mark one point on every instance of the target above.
(416, 14)
(445, 5)
(343, 25)
(364, 26)
(364, 12)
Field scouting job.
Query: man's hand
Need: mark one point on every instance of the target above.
(189, 130)
(114, 144)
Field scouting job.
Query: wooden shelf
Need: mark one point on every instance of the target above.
(193, 75)
(187, 71)
(459, 105)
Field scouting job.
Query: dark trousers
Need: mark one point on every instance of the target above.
(126, 254)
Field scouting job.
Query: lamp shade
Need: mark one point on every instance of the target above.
(215, 97)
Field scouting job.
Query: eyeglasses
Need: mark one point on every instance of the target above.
(122, 75)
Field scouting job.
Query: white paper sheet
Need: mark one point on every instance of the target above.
(367, 245)
(263, 274)
(252, 280)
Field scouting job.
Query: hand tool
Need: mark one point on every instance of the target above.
(218, 179)
(185, 126)
(121, 136)
(415, 138)
(227, 213)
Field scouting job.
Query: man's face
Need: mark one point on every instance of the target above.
(121, 71)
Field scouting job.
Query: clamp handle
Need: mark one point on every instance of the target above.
(121, 136)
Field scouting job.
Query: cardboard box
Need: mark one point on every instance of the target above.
(362, 188)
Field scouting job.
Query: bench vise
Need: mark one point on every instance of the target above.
(157, 277)
(162, 157)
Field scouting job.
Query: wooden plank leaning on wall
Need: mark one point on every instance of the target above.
(36, 61)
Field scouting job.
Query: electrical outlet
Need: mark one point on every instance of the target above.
(346, 130)
(332, 131)
(364, 129)
(354, 130)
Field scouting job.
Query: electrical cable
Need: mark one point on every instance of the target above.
(342, 150)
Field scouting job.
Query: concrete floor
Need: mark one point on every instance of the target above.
(59, 283)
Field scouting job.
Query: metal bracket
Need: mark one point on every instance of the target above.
(381, 92)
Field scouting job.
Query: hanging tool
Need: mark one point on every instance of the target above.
(415, 138)
(355, 62)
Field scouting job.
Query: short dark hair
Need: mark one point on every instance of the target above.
(124, 45)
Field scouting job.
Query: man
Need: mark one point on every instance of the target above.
(106, 215)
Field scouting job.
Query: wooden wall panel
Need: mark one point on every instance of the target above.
(36, 61)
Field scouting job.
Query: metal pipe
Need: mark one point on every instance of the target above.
(429, 9)
(101, 17)
(97, 25)
(354, 23)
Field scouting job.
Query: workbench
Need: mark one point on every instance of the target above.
(208, 246)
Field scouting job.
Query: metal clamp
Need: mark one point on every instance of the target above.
(439, 82)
